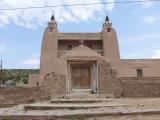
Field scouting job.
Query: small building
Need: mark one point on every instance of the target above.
(90, 63)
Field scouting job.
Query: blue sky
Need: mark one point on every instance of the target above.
(21, 31)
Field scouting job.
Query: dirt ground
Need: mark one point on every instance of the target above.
(102, 109)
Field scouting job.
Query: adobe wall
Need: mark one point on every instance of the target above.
(108, 82)
(79, 36)
(55, 83)
(19, 95)
(140, 86)
(34, 79)
(151, 67)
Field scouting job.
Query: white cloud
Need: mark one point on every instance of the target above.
(34, 60)
(148, 4)
(2, 47)
(132, 56)
(151, 19)
(33, 17)
(156, 54)
(140, 46)
(31, 61)
(148, 37)
(110, 7)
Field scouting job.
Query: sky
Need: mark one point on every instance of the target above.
(21, 31)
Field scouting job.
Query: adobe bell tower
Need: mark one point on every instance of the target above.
(49, 48)
(110, 44)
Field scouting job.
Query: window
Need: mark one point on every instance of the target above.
(109, 29)
(51, 29)
(37, 83)
(139, 72)
(69, 47)
(90, 46)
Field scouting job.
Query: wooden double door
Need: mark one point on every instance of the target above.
(81, 77)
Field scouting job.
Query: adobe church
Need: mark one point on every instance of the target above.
(90, 63)
(78, 73)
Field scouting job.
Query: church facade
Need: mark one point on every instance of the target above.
(90, 63)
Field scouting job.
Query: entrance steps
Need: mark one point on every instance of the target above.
(64, 106)
(87, 109)
(72, 102)
(69, 104)
(77, 100)
(83, 96)
(80, 92)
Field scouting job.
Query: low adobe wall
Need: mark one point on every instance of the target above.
(140, 86)
(18, 95)
(108, 83)
(131, 87)
(34, 79)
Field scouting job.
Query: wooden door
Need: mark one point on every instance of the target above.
(76, 77)
(81, 77)
(85, 77)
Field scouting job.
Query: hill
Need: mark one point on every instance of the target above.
(14, 76)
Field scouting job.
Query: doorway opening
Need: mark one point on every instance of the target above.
(82, 76)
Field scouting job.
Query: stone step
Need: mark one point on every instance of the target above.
(54, 107)
(79, 100)
(88, 96)
(3, 105)
(68, 106)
